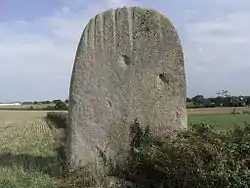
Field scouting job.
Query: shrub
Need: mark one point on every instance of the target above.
(246, 111)
(198, 157)
(60, 105)
(58, 119)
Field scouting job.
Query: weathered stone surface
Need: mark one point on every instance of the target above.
(129, 64)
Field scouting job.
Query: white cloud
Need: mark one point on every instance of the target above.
(41, 52)
(218, 50)
(38, 55)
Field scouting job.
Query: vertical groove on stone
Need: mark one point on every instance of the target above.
(96, 30)
(86, 38)
(159, 26)
(130, 25)
(91, 35)
(117, 30)
(101, 29)
(114, 28)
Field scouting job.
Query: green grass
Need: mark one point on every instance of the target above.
(221, 122)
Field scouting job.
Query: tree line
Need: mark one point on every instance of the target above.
(58, 104)
(199, 101)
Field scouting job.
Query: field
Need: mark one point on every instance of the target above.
(26, 106)
(213, 111)
(220, 118)
(28, 152)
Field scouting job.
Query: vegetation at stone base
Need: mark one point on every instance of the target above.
(198, 157)
(57, 119)
(61, 105)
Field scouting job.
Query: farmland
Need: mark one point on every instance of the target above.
(220, 118)
(26, 150)
(27, 145)
(27, 107)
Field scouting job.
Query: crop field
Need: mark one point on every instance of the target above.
(28, 155)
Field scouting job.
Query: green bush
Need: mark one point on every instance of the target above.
(57, 119)
(198, 157)
(60, 105)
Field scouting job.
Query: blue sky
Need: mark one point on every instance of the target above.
(38, 40)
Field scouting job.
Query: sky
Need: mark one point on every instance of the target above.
(38, 41)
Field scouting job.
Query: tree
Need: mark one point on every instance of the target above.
(247, 99)
(223, 98)
(198, 99)
(56, 101)
(60, 105)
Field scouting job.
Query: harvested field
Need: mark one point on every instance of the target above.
(27, 153)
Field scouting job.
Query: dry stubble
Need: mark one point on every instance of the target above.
(26, 150)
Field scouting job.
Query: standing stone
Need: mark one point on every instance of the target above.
(129, 64)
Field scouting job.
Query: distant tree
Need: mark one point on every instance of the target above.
(56, 101)
(188, 100)
(60, 105)
(239, 101)
(27, 102)
(208, 103)
(223, 98)
(247, 99)
(212, 100)
(219, 101)
(198, 99)
(230, 101)
(47, 102)
(223, 93)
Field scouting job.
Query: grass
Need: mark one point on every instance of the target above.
(29, 149)
(221, 121)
